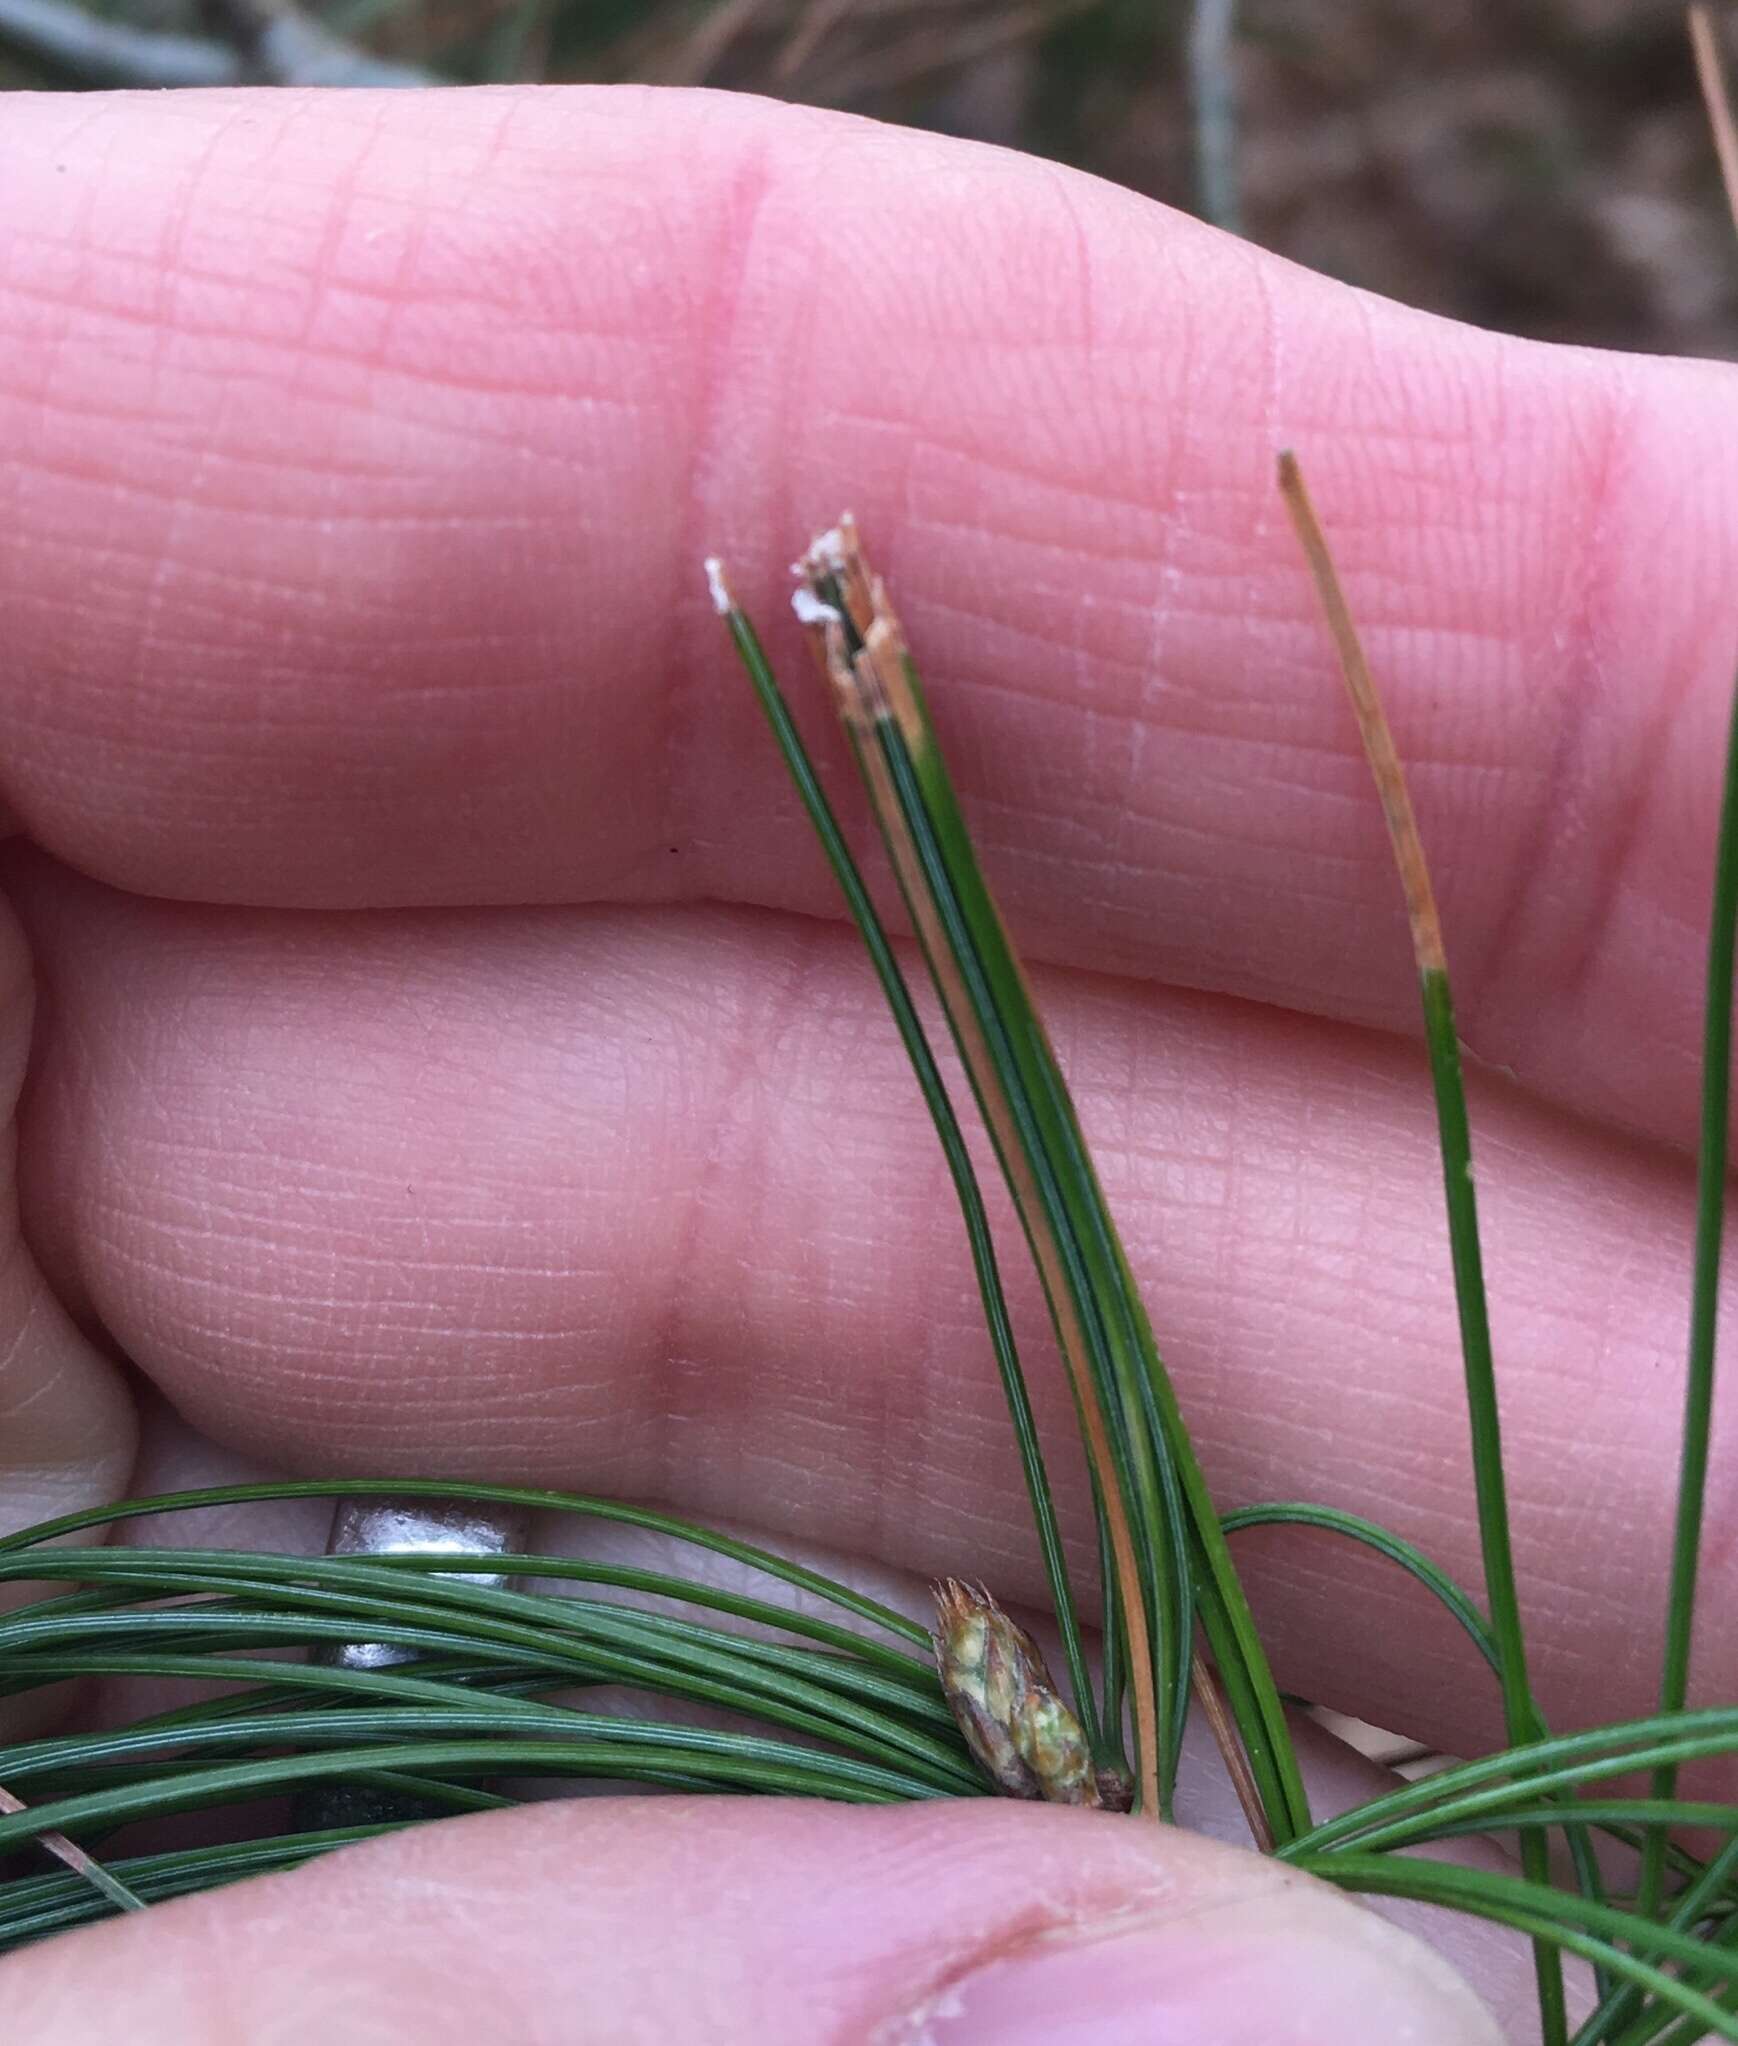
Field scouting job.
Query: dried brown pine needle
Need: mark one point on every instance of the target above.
(1372, 720)
(1209, 1694)
(74, 1857)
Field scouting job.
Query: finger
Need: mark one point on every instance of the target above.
(66, 1419)
(174, 1457)
(1337, 1776)
(648, 1204)
(722, 1921)
(359, 456)
(66, 1422)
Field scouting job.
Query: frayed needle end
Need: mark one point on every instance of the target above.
(812, 611)
(831, 552)
(722, 601)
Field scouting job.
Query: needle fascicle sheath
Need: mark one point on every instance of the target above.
(1015, 1721)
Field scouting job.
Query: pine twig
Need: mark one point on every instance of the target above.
(1213, 93)
(258, 42)
(101, 54)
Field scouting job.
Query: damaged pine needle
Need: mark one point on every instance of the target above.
(83, 1865)
(1479, 1369)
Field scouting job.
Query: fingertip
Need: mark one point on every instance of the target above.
(771, 1922)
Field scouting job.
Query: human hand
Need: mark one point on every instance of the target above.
(448, 1059)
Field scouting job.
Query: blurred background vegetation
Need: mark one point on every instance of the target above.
(1541, 166)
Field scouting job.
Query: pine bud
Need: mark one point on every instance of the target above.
(1009, 1709)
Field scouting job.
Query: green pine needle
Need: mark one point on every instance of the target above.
(1104, 1735)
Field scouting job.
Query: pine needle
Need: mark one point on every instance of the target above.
(83, 1865)
(1490, 1487)
(1716, 1095)
(873, 694)
(1104, 1734)
(1167, 1562)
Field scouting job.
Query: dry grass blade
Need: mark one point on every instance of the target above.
(75, 1858)
(1710, 73)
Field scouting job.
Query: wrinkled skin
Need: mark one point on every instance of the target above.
(447, 1056)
